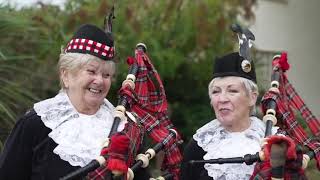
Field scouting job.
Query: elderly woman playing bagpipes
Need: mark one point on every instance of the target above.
(115, 148)
(227, 148)
(62, 135)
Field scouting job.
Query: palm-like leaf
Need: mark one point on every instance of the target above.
(25, 74)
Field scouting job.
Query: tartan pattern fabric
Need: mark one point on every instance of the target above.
(151, 108)
(135, 134)
(293, 170)
(158, 132)
(99, 174)
(149, 105)
(287, 102)
(91, 46)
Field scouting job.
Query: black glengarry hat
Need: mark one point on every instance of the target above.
(234, 65)
(89, 39)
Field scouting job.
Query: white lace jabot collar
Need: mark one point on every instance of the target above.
(79, 137)
(219, 143)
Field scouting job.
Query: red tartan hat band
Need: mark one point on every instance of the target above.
(90, 39)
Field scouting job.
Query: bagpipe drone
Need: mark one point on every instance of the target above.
(143, 105)
(286, 154)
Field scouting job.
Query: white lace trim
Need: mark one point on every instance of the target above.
(219, 143)
(79, 137)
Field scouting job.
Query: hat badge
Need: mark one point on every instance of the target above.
(246, 66)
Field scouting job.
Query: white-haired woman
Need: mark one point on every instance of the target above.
(235, 131)
(64, 133)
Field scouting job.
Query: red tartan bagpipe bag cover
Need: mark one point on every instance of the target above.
(149, 105)
(287, 100)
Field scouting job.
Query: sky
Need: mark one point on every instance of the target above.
(21, 3)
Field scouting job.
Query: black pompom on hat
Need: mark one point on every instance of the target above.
(234, 65)
(89, 39)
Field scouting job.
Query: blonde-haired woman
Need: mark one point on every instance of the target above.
(63, 133)
(235, 131)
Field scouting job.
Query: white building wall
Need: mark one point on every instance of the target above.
(294, 27)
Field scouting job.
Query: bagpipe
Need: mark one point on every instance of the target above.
(286, 154)
(143, 106)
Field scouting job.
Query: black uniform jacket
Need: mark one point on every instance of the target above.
(28, 153)
(193, 171)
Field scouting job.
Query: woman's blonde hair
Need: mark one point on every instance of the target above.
(73, 62)
(249, 85)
